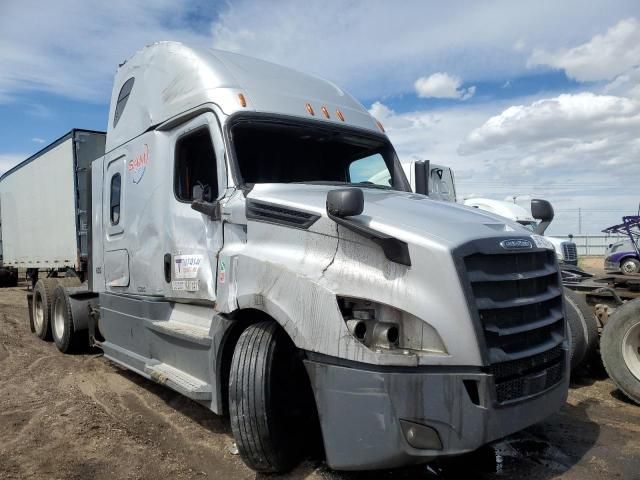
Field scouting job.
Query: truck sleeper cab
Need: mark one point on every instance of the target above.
(242, 256)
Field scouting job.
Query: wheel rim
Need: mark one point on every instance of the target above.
(58, 319)
(38, 314)
(631, 350)
(629, 267)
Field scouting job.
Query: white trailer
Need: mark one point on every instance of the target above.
(45, 206)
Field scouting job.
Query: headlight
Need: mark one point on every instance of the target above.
(380, 326)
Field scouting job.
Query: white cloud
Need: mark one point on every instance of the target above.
(626, 84)
(372, 48)
(37, 140)
(442, 85)
(566, 121)
(73, 47)
(602, 58)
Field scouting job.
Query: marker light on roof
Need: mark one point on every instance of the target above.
(310, 109)
(380, 126)
(325, 112)
(242, 100)
(339, 114)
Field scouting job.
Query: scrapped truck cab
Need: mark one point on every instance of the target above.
(246, 252)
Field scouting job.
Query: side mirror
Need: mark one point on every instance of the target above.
(345, 202)
(211, 209)
(541, 210)
(421, 176)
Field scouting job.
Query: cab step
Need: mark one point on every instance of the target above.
(185, 331)
(179, 381)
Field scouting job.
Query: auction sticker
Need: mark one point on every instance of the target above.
(185, 285)
(186, 266)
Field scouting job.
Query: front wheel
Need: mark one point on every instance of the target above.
(268, 399)
(630, 266)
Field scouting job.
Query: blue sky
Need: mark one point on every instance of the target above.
(537, 99)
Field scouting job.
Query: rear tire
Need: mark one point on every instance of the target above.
(620, 349)
(267, 399)
(62, 329)
(630, 266)
(43, 302)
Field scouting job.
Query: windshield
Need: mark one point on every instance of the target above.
(270, 152)
(529, 225)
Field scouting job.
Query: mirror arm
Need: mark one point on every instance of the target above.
(211, 209)
(395, 250)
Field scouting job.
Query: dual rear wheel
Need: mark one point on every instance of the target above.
(51, 312)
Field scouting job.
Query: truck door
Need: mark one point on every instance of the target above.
(194, 238)
(116, 255)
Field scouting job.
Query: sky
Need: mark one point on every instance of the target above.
(530, 99)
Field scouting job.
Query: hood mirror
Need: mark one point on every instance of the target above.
(345, 202)
(543, 211)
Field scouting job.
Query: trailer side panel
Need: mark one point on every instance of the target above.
(39, 210)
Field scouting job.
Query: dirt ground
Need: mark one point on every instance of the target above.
(81, 417)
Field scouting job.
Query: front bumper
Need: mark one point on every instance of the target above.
(360, 408)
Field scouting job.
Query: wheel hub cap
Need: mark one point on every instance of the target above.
(58, 319)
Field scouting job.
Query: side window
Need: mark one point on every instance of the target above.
(114, 202)
(123, 96)
(371, 169)
(196, 175)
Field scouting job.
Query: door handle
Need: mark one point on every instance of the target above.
(167, 267)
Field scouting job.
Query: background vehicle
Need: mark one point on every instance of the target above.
(239, 253)
(624, 256)
(566, 252)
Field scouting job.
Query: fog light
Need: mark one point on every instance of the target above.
(420, 436)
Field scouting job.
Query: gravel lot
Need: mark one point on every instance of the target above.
(81, 417)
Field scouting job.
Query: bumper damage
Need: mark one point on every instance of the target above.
(384, 417)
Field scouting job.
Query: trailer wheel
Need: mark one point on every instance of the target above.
(42, 301)
(266, 399)
(583, 327)
(63, 332)
(630, 266)
(620, 349)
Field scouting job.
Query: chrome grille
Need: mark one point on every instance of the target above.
(518, 298)
(569, 251)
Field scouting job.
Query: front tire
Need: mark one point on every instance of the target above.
(268, 397)
(630, 266)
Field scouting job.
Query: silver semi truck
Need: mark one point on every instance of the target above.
(240, 255)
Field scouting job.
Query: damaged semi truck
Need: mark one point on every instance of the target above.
(239, 255)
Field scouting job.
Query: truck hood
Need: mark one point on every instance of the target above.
(407, 216)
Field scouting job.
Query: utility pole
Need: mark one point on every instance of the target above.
(579, 220)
